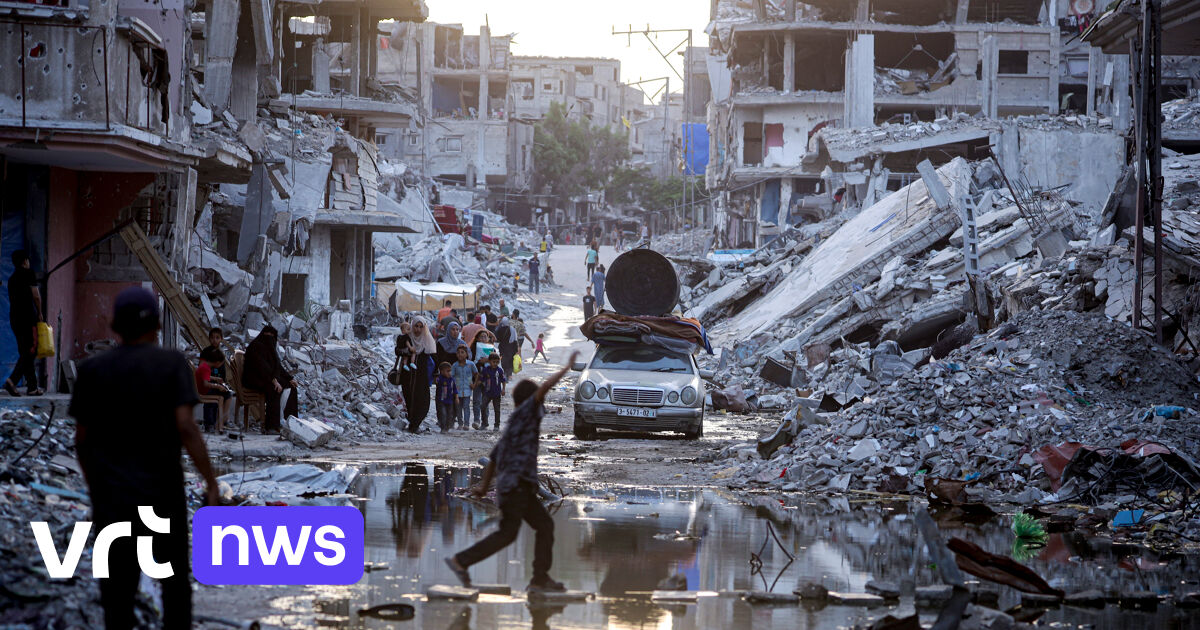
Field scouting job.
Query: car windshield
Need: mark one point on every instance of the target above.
(649, 359)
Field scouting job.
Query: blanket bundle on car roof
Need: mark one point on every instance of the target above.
(682, 334)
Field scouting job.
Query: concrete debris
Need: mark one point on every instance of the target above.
(1046, 377)
(306, 432)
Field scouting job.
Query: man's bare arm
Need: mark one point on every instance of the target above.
(193, 442)
(553, 379)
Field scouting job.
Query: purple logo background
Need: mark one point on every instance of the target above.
(309, 569)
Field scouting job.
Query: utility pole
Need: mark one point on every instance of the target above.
(685, 131)
(1149, 159)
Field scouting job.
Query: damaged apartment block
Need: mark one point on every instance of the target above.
(785, 74)
(214, 127)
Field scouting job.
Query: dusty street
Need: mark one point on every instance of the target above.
(625, 458)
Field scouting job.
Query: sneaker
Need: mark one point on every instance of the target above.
(546, 585)
(477, 426)
(459, 572)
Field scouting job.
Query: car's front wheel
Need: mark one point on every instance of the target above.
(696, 433)
(583, 431)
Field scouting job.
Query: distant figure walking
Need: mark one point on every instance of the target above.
(592, 257)
(535, 270)
(589, 304)
(598, 286)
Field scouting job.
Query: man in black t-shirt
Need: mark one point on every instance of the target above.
(24, 313)
(589, 304)
(133, 410)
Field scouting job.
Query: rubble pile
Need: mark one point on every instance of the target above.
(1043, 378)
(451, 258)
(696, 241)
(42, 485)
(844, 139)
(1181, 115)
(345, 394)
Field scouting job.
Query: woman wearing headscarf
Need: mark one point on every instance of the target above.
(415, 383)
(263, 373)
(447, 345)
(506, 338)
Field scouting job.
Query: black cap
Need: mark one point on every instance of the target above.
(135, 313)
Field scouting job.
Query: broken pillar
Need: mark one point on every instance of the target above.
(860, 82)
(221, 43)
(989, 54)
(243, 94)
(258, 213)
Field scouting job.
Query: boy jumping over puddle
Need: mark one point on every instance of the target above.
(513, 463)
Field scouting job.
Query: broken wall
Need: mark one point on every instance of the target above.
(1087, 163)
(90, 73)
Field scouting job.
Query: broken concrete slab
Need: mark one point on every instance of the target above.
(308, 432)
(905, 222)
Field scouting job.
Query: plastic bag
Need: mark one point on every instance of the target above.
(516, 364)
(45, 340)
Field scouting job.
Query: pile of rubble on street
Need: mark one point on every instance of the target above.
(896, 374)
(40, 480)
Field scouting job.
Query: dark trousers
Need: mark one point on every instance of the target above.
(274, 402)
(518, 505)
(495, 403)
(119, 591)
(446, 415)
(25, 349)
(535, 285)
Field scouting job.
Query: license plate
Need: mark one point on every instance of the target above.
(636, 412)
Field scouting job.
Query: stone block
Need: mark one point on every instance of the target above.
(306, 432)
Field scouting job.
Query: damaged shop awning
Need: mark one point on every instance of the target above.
(415, 296)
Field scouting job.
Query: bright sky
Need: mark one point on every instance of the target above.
(574, 28)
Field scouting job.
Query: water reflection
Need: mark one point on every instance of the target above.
(620, 543)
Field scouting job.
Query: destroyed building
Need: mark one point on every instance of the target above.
(784, 74)
(95, 132)
(466, 135)
(151, 141)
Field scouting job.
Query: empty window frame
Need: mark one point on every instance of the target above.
(1013, 62)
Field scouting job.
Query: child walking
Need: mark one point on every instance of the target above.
(447, 397)
(464, 373)
(539, 348)
(513, 464)
(492, 380)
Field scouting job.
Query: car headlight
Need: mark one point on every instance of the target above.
(673, 397)
(689, 395)
(587, 389)
(602, 393)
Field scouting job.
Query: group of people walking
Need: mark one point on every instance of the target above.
(467, 359)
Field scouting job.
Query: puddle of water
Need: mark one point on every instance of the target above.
(620, 543)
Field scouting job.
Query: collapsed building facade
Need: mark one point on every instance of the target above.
(788, 76)
(250, 173)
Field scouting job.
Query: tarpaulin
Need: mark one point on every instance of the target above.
(695, 148)
(414, 296)
(12, 238)
(769, 208)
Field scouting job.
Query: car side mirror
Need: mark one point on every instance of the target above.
(578, 366)
(708, 375)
